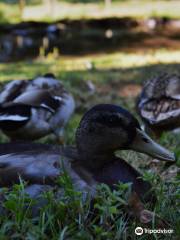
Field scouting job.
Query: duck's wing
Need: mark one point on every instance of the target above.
(14, 116)
(39, 98)
(40, 164)
(35, 163)
(12, 90)
(23, 147)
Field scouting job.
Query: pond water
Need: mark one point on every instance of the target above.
(77, 37)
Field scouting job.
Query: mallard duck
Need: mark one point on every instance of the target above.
(159, 103)
(103, 129)
(31, 109)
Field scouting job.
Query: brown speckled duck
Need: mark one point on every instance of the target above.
(103, 130)
(159, 103)
(31, 109)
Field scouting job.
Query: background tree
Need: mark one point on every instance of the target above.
(50, 4)
(21, 6)
(107, 3)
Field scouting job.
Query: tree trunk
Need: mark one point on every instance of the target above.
(21, 6)
(50, 5)
(107, 3)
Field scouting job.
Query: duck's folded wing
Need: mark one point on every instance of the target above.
(23, 147)
(32, 166)
(39, 98)
(14, 116)
(41, 164)
(12, 90)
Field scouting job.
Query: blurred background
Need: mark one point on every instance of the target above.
(102, 50)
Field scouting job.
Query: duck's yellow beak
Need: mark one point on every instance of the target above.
(144, 144)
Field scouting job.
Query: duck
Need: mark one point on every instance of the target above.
(32, 109)
(159, 103)
(103, 130)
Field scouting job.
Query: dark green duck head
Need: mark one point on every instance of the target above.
(107, 128)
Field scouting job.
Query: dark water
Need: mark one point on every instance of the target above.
(76, 37)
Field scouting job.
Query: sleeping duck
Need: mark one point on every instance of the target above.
(31, 109)
(159, 103)
(103, 130)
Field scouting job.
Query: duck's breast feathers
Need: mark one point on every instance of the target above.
(119, 171)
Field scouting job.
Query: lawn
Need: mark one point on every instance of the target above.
(37, 11)
(117, 78)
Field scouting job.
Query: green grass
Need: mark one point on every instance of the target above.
(140, 9)
(69, 216)
(113, 63)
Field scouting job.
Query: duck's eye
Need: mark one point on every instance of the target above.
(145, 140)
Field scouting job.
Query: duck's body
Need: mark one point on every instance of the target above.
(159, 103)
(31, 109)
(43, 164)
(103, 130)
